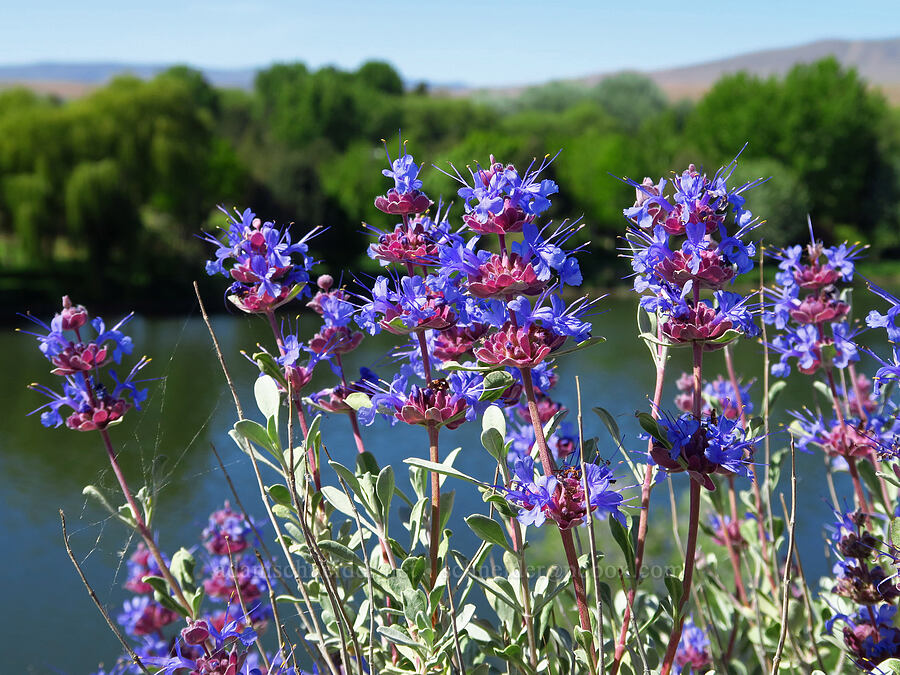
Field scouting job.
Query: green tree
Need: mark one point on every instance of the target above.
(29, 201)
(101, 212)
(629, 98)
(380, 76)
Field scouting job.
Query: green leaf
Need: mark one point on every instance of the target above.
(414, 602)
(182, 568)
(348, 477)
(493, 418)
(338, 500)
(651, 426)
(495, 383)
(340, 552)
(269, 366)
(823, 389)
(674, 586)
(503, 506)
(384, 488)
(440, 468)
(728, 336)
(254, 432)
(366, 463)
(895, 532)
(268, 398)
(358, 400)
(775, 391)
(196, 600)
(397, 637)
(493, 442)
(620, 534)
(550, 427)
(489, 530)
(280, 494)
(94, 493)
(610, 423)
(890, 666)
(247, 447)
(161, 594)
(455, 365)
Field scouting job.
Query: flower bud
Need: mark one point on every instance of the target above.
(196, 633)
(73, 316)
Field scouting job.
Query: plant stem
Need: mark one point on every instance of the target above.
(142, 528)
(885, 496)
(643, 518)
(786, 580)
(690, 554)
(434, 456)
(296, 400)
(601, 656)
(519, 548)
(861, 500)
(354, 423)
(693, 522)
(549, 466)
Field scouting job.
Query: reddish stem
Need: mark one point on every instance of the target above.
(549, 466)
(142, 527)
(646, 488)
(675, 637)
(862, 502)
(434, 456)
(693, 526)
(354, 422)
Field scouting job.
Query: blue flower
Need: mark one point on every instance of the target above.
(405, 173)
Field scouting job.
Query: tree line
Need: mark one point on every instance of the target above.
(119, 182)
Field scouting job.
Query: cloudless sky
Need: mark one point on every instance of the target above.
(478, 43)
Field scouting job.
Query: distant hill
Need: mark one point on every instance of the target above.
(75, 79)
(878, 61)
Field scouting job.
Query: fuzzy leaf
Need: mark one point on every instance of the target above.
(489, 530)
(358, 400)
(440, 468)
(268, 398)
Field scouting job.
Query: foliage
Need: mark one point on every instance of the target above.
(302, 143)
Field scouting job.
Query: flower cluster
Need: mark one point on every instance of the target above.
(693, 650)
(267, 268)
(501, 200)
(561, 497)
(228, 532)
(220, 636)
(869, 634)
(810, 309)
(867, 437)
(680, 245)
(94, 402)
(404, 198)
(713, 444)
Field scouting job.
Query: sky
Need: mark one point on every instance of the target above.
(460, 41)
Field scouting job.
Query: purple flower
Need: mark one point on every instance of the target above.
(266, 266)
(405, 173)
(93, 403)
(693, 649)
(561, 497)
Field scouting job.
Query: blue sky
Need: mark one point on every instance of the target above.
(479, 43)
